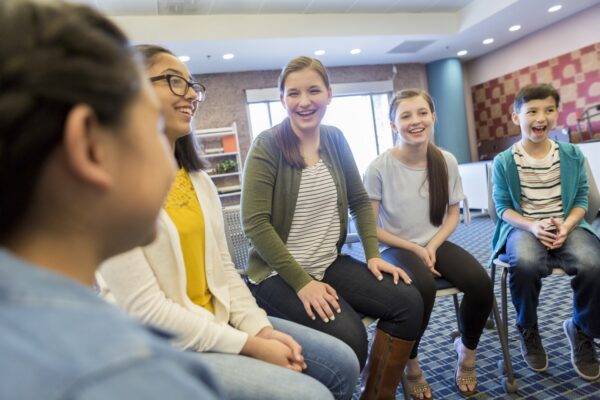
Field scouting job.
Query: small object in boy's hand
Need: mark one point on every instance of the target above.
(550, 228)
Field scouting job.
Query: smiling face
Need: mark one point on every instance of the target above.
(536, 118)
(178, 110)
(305, 97)
(414, 121)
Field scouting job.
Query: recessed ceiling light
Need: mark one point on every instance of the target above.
(184, 58)
(319, 52)
(462, 53)
(488, 41)
(355, 51)
(554, 8)
(228, 56)
(514, 28)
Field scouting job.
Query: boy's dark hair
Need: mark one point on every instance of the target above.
(53, 56)
(186, 152)
(437, 170)
(536, 91)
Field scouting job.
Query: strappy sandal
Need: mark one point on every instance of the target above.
(468, 376)
(416, 388)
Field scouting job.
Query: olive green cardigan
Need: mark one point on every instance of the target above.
(269, 195)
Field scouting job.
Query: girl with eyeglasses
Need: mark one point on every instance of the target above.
(185, 281)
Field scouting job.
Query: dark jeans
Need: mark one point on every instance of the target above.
(530, 261)
(463, 271)
(398, 307)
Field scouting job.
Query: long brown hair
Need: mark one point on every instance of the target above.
(437, 170)
(285, 137)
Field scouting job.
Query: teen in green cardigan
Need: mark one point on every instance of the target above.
(299, 182)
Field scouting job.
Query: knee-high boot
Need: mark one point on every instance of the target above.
(385, 366)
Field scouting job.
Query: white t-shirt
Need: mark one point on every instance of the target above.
(404, 195)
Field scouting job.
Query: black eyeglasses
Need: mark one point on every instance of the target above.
(179, 85)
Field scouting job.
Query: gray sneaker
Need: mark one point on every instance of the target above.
(532, 349)
(583, 353)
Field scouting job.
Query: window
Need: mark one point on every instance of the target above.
(362, 118)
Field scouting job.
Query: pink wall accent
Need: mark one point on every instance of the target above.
(576, 75)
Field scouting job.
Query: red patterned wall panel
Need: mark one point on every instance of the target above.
(576, 75)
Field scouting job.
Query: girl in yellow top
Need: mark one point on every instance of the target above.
(185, 281)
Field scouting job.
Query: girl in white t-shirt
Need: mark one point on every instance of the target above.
(415, 189)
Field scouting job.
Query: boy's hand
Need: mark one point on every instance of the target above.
(545, 231)
(550, 232)
(561, 232)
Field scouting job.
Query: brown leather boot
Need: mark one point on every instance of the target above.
(385, 366)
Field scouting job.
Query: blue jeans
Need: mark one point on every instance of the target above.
(332, 369)
(530, 261)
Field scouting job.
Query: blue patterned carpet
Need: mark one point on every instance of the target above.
(437, 356)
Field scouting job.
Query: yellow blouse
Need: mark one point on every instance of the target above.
(185, 211)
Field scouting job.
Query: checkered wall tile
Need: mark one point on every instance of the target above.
(576, 75)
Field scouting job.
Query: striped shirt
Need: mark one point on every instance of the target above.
(315, 227)
(540, 183)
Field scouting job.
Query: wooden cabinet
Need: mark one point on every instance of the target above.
(220, 147)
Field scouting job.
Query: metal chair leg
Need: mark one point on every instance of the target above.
(509, 383)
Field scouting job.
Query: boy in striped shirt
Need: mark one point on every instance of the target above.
(541, 196)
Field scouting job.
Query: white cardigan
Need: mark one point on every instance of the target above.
(150, 283)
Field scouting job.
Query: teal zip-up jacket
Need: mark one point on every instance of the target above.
(269, 195)
(574, 189)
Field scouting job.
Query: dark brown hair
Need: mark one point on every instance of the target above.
(539, 91)
(285, 137)
(187, 153)
(437, 170)
(53, 56)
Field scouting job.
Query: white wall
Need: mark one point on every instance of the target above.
(575, 32)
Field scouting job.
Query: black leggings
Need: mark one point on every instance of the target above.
(399, 307)
(463, 271)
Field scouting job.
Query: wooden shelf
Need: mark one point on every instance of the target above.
(225, 145)
(211, 155)
(224, 175)
(230, 194)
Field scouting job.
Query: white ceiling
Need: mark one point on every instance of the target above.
(265, 34)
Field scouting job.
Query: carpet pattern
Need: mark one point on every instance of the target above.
(438, 358)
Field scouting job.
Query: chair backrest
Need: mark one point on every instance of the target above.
(238, 244)
(593, 195)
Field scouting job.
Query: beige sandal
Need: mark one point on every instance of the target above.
(416, 388)
(468, 376)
